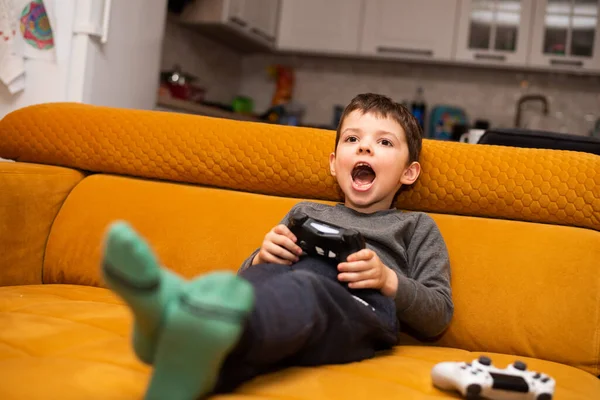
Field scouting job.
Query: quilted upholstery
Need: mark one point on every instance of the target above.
(194, 230)
(72, 343)
(523, 184)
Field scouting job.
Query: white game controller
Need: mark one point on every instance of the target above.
(480, 379)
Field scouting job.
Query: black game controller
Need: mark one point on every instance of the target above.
(318, 238)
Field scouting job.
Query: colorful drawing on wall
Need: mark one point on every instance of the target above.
(35, 26)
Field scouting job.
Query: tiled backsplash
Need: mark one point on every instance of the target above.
(321, 83)
(484, 93)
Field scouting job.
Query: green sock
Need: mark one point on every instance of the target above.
(131, 270)
(201, 327)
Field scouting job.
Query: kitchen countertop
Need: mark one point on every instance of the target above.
(176, 105)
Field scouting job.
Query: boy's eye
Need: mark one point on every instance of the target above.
(386, 142)
(351, 139)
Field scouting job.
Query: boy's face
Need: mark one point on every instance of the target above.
(371, 161)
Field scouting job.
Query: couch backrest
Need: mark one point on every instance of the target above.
(547, 186)
(525, 271)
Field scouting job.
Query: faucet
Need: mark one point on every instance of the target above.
(529, 97)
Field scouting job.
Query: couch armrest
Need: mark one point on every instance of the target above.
(30, 197)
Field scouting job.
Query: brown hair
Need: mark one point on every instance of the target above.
(385, 107)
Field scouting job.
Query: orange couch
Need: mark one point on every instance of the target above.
(522, 228)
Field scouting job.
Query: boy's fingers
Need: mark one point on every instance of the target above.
(269, 258)
(287, 243)
(364, 254)
(346, 277)
(284, 230)
(280, 252)
(266, 256)
(355, 276)
(354, 266)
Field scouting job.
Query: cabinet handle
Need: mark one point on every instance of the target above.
(492, 57)
(570, 63)
(265, 35)
(398, 50)
(238, 21)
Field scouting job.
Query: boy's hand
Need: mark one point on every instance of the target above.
(278, 247)
(364, 270)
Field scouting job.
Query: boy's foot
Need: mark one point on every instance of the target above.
(130, 269)
(201, 328)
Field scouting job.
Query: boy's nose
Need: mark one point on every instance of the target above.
(364, 149)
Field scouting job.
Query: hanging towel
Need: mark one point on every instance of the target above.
(25, 33)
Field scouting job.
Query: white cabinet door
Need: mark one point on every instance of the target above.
(331, 26)
(566, 35)
(235, 19)
(237, 12)
(255, 18)
(413, 29)
(262, 16)
(494, 31)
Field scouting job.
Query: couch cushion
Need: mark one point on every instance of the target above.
(72, 342)
(30, 197)
(67, 342)
(516, 285)
(192, 229)
(524, 288)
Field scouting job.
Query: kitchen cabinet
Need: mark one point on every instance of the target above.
(232, 20)
(566, 35)
(494, 31)
(318, 26)
(409, 29)
(262, 17)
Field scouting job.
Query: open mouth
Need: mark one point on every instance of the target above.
(363, 176)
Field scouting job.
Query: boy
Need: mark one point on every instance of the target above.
(214, 332)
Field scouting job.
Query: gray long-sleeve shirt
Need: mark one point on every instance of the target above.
(409, 243)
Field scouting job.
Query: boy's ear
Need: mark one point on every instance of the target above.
(332, 163)
(411, 173)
